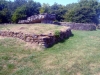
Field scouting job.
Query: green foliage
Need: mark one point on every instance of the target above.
(85, 11)
(42, 10)
(71, 6)
(59, 10)
(57, 33)
(4, 12)
(69, 16)
(5, 57)
(82, 15)
(1, 67)
(45, 8)
(19, 9)
(10, 66)
(18, 14)
(24, 11)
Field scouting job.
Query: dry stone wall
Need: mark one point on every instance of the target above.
(42, 40)
(79, 26)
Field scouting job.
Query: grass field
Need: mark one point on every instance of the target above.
(33, 28)
(79, 55)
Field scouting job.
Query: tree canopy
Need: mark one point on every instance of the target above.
(85, 11)
(88, 11)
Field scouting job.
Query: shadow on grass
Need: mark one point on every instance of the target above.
(61, 41)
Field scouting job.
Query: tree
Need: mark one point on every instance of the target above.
(87, 11)
(82, 15)
(19, 14)
(21, 9)
(45, 8)
(29, 9)
(71, 6)
(94, 4)
(59, 11)
(3, 4)
(4, 12)
(19, 3)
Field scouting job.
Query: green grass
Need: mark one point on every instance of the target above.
(79, 55)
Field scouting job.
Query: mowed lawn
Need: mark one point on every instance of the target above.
(78, 55)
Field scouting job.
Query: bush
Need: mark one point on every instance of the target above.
(57, 33)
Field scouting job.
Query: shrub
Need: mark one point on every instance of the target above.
(11, 66)
(57, 33)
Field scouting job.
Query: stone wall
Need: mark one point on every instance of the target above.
(79, 26)
(42, 40)
(40, 18)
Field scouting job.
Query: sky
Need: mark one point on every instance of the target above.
(51, 2)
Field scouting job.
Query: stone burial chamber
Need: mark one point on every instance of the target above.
(39, 18)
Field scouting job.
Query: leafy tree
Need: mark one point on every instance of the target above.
(45, 8)
(87, 11)
(19, 14)
(19, 3)
(94, 4)
(31, 8)
(3, 4)
(82, 15)
(4, 12)
(83, 11)
(71, 6)
(59, 10)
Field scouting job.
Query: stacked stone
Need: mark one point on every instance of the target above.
(40, 18)
(80, 26)
(42, 40)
